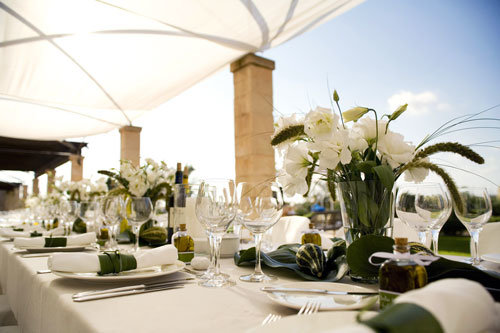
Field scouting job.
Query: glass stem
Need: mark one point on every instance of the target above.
(217, 241)
(474, 246)
(435, 239)
(422, 236)
(258, 242)
(136, 229)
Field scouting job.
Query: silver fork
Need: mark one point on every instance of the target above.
(309, 308)
(271, 318)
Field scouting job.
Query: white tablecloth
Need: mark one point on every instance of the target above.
(42, 302)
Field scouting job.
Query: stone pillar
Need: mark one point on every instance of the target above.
(131, 144)
(253, 118)
(51, 175)
(25, 191)
(76, 167)
(36, 188)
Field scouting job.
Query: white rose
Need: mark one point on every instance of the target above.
(320, 123)
(297, 160)
(394, 150)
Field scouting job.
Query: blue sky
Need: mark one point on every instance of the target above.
(440, 56)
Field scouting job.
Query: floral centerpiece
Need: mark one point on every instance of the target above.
(82, 190)
(360, 158)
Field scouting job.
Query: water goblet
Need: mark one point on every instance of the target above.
(420, 206)
(215, 210)
(112, 210)
(476, 212)
(89, 211)
(436, 228)
(139, 211)
(260, 206)
(69, 212)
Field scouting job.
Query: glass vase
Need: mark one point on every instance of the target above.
(367, 209)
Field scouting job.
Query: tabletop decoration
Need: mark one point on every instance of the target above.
(361, 162)
(285, 256)
(152, 180)
(360, 251)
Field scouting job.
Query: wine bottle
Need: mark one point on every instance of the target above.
(185, 176)
(178, 180)
(400, 274)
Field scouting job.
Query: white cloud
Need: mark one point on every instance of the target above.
(418, 104)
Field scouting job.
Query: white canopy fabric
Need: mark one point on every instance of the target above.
(83, 67)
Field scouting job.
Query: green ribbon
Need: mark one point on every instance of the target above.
(35, 234)
(55, 241)
(18, 229)
(404, 317)
(115, 262)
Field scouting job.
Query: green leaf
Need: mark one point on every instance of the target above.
(284, 257)
(361, 249)
(386, 176)
(366, 166)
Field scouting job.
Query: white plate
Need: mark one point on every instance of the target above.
(492, 257)
(327, 302)
(318, 322)
(75, 248)
(136, 274)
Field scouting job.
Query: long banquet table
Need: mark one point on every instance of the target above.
(42, 302)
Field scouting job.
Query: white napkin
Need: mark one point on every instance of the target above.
(83, 239)
(89, 263)
(459, 305)
(10, 233)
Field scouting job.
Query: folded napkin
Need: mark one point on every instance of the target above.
(26, 232)
(449, 305)
(84, 239)
(93, 263)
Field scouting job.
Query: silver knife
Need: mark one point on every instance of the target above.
(317, 291)
(127, 288)
(127, 292)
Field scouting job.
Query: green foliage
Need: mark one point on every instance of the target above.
(361, 249)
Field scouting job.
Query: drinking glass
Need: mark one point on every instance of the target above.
(161, 213)
(476, 212)
(420, 206)
(112, 210)
(89, 211)
(215, 209)
(139, 211)
(436, 228)
(69, 212)
(260, 206)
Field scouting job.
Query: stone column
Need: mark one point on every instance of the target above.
(76, 167)
(131, 144)
(51, 175)
(253, 118)
(36, 188)
(25, 191)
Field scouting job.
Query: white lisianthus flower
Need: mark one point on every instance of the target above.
(334, 150)
(297, 160)
(394, 150)
(320, 123)
(366, 128)
(99, 185)
(138, 186)
(293, 185)
(357, 142)
(417, 175)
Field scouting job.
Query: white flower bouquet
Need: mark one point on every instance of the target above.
(361, 156)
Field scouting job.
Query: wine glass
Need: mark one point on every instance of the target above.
(88, 211)
(475, 213)
(139, 211)
(436, 228)
(260, 207)
(216, 209)
(69, 212)
(161, 213)
(112, 210)
(420, 206)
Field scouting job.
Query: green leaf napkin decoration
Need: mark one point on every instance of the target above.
(115, 262)
(284, 257)
(55, 241)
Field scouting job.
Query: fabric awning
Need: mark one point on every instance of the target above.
(82, 67)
